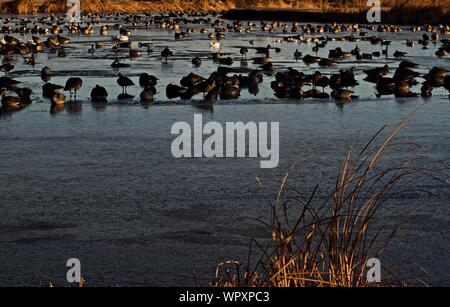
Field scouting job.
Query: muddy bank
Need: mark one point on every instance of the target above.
(396, 15)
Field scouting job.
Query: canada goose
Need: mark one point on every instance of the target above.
(402, 86)
(118, 64)
(376, 54)
(53, 41)
(87, 30)
(327, 62)
(383, 70)
(404, 74)
(8, 83)
(73, 85)
(229, 91)
(61, 53)
(441, 52)
(243, 51)
(99, 94)
(314, 93)
(447, 84)
(407, 64)
(145, 45)
(226, 61)
(190, 80)
(49, 89)
(36, 40)
(426, 90)
(92, 50)
(342, 95)
(103, 30)
(24, 94)
(46, 74)
(438, 71)
(216, 56)
(255, 77)
(57, 98)
(263, 49)
(147, 94)
(166, 53)
(435, 80)
(253, 89)
(322, 82)
(196, 61)
(146, 80)
(355, 51)
(309, 59)
(135, 53)
(174, 91)
(405, 94)
(206, 86)
(215, 45)
(11, 103)
(267, 66)
(124, 97)
(120, 38)
(189, 93)
(124, 32)
(62, 40)
(6, 68)
(337, 53)
(29, 60)
(385, 85)
(409, 43)
(398, 54)
(38, 48)
(124, 45)
(124, 82)
(345, 78)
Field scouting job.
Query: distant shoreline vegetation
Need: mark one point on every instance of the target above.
(407, 11)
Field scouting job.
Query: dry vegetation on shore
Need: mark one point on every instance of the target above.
(327, 242)
(106, 6)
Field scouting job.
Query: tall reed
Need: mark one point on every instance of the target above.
(327, 242)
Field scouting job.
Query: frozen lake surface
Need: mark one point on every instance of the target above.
(99, 183)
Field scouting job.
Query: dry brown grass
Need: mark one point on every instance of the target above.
(120, 6)
(326, 243)
(81, 284)
(123, 6)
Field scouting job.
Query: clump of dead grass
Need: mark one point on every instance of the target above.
(327, 243)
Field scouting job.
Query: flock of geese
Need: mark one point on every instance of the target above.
(225, 82)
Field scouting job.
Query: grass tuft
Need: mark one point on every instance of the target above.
(317, 242)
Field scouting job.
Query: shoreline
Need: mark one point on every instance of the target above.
(395, 15)
(392, 12)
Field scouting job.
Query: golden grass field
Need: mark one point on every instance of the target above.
(121, 6)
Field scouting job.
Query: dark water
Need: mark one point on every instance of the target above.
(101, 185)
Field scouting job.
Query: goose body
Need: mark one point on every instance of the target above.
(73, 85)
(147, 80)
(46, 74)
(124, 82)
(99, 94)
(57, 98)
(147, 94)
